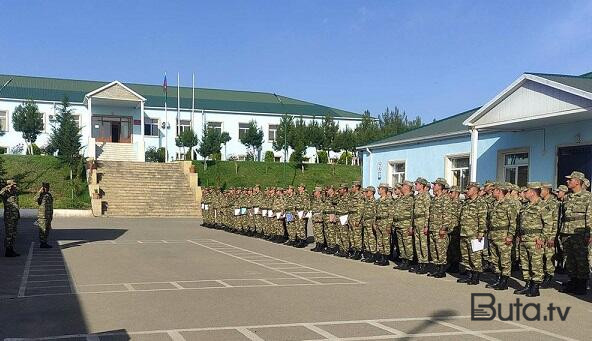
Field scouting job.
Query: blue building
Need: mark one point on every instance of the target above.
(537, 129)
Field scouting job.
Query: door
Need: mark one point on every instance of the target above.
(575, 158)
(115, 131)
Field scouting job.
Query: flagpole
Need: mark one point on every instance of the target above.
(192, 105)
(178, 106)
(166, 122)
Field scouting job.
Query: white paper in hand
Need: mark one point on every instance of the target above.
(343, 219)
(236, 211)
(270, 213)
(477, 245)
(300, 214)
(264, 213)
(309, 214)
(278, 215)
(256, 210)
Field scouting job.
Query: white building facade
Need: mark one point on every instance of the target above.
(122, 121)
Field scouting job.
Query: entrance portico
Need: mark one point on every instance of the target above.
(116, 115)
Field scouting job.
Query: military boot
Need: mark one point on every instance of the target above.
(547, 281)
(404, 265)
(384, 261)
(524, 290)
(503, 284)
(10, 252)
(377, 258)
(466, 279)
(368, 258)
(569, 286)
(494, 285)
(357, 255)
(534, 290)
(581, 287)
(422, 269)
(44, 245)
(441, 271)
(301, 244)
(475, 278)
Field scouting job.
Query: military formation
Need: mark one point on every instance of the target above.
(10, 195)
(427, 227)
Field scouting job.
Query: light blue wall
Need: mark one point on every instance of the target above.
(428, 159)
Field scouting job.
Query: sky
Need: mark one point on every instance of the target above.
(430, 58)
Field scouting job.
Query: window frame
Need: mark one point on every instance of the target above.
(501, 163)
(216, 122)
(182, 127)
(245, 129)
(270, 129)
(392, 171)
(152, 126)
(449, 168)
(7, 126)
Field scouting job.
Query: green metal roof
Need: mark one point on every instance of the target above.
(582, 82)
(54, 89)
(449, 125)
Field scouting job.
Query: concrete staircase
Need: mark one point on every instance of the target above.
(146, 189)
(110, 151)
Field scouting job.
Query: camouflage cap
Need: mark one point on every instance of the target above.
(256, 186)
(383, 185)
(473, 184)
(318, 189)
(586, 182)
(370, 188)
(10, 182)
(562, 188)
(441, 181)
(546, 185)
(523, 188)
(454, 189)
(343, 185)
(488, 183)
(356, 183)
(398, 185)
(422, 181)
(302, 185)
(534, 185)
(407, 183)
(576, 175)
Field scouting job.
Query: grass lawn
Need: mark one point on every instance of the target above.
(31, 170)
(249, 173)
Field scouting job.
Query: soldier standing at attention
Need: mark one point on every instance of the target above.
(257, 205)
(330, 222)
(403, 224)
(290, 216)
(12, 215)
(316, 208)
(473, 220)
(368, 219)
(575, 234)
(342, 208)
(204, 201)
(502, 229)
(454, 235)
(421, 213)
(535, 223)
(355, 222)
(302, 205)
(549, 255)
(44, 214)
(441, 222)
(383, 225)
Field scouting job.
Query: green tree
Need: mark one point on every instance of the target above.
(187, 139)
(330, 129)
(367, 130)
(65, 135)
(283, 134)
(315, 137)
(345, 141)
(28, 120)
(298, 141)
(253, 138)
(155, 155)
(211, 143)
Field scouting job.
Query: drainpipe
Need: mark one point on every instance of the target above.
(473, 159)
(369, 165)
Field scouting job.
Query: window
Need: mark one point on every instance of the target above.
(272, 131)
(3, 120)
(459, 168)
(151, 127)
(516, 168)
(77, 120)
(397, 172)
(180, 156)
(216, 126)
(243, 129)
(183, 125)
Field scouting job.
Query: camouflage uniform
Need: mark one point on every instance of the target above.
(454, 235)
(342, 208)
(44, 215)
(290, 209)
(330, 226)
(549, 251)
(316, 207)
(368, 220)
(403, 223)
(302, 205)
(473, 222)
(383, 227)
(441, 224)
(355, 223)
(421, 213)
(278, 224)
(11, 214)
(258, 217)
(502, 224)
(575, 231)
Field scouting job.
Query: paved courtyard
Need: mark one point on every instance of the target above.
(170, 279)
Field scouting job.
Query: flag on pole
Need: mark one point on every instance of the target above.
(165, 87)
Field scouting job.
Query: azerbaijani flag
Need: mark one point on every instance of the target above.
(165, 87)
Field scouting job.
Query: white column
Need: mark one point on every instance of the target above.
(91, 146)
(141, 147)
(473, 158)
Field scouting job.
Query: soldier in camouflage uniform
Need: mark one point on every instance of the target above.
(368, 220)
(552, 204)
(355, 221)
(290, 216)
(257, 216)
(278, 209)
(330, 221)
(316, 209)
(575, 234)
(473, 221)
(266, 207)
(302, 206)
(44, 214)
(421, 213)
(454, 235)
(536, 222)
(342, 208)
(12, 215)
(403, 224)
(204, 201)
(441, 223)
(383, 225)
(502, 229)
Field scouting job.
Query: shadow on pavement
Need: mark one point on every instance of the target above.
(435, 316)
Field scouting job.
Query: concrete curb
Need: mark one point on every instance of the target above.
(57, 213)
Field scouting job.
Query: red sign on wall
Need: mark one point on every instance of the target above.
(137, 122)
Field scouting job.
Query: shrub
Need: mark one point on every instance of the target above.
(17, 149)
(269, 157)
(155, 155)
(36, 150)
(345, 158)
(216, 156)
(323, 158)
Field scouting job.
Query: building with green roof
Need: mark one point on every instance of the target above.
(537, 129)
(121, 120)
